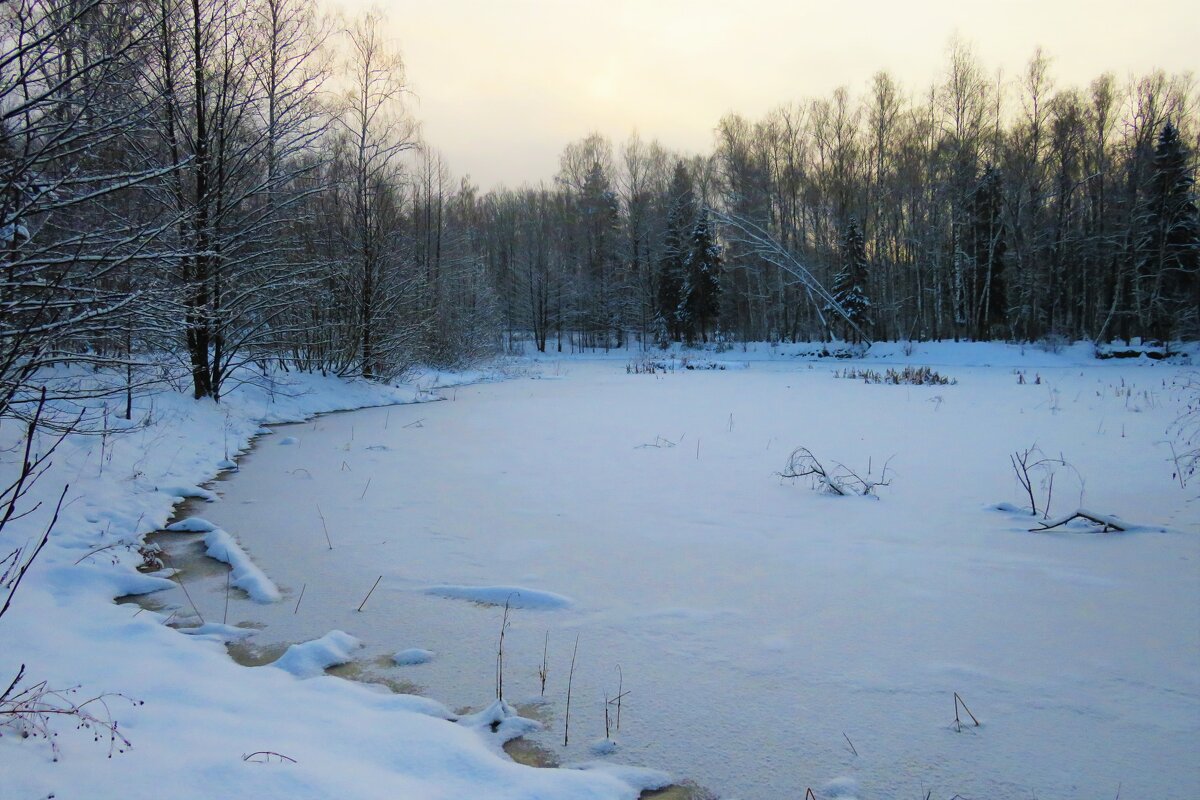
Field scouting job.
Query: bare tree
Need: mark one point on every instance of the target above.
(378, 131)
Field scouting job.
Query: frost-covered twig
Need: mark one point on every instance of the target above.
(31, 712)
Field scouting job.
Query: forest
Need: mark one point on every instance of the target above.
(192, 186)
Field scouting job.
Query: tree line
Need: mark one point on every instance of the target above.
(188, 187)
(980, 208)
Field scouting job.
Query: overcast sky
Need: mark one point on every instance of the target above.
(502, 85)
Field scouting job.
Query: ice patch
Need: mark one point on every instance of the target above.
(246, 575)
(413, 655)
(309, 659)
(191, 525)
(515, 596)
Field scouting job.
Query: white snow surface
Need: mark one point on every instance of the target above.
(200, 713)
(757, 623)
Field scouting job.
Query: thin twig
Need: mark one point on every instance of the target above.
(544, 670)
(500, 649)
(368, 597)
(959, 701)
(570, 681)
(178, 576)
(328, 541)
(228, 579)
(12, 587)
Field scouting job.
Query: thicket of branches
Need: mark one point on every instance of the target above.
(190, 186)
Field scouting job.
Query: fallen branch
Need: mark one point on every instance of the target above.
(266, 757)
(840, 481)
(1107, 523)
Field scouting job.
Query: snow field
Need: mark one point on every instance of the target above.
(758, 624)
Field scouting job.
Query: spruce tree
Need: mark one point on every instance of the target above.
(702, 289)
(600, 217)
(850, 285)
(670, 300)
(1170, 246)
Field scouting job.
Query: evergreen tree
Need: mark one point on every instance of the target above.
(600, 218)
(1170, 248)
(702, 287)
(850, 286)
(670, 303)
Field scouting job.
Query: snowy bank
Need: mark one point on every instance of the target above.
(199, 724)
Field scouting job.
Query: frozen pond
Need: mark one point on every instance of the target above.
(771, 638)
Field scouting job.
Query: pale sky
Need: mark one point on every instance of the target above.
(502, 85)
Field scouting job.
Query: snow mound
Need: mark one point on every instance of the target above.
(217, 632)
(246, 575)
(639, 778)
(288, 440)
(227, 463)
(185, 491)
(309, 659)
(843, 788)
(413, 655)
(515, 596)
(499, 723)
(603, 747)
(191, 525)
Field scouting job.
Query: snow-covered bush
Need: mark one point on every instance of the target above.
(30, 708)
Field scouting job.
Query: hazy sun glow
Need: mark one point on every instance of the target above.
(502, 85)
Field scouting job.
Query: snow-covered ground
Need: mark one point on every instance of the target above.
(201, 726)
(770, 638)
